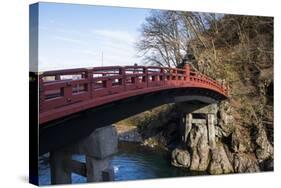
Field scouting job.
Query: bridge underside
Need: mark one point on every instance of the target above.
(59, 133)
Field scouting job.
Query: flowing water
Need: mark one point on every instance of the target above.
(132, 162)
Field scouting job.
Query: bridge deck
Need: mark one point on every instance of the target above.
(66, 92)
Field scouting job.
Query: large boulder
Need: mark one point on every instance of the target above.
(180, 158)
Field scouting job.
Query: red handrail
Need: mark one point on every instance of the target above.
(84, 88)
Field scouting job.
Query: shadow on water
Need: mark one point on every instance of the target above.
(132, 162)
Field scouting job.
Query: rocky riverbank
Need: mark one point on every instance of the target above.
(236, 149)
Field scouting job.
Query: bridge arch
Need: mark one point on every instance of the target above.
(71, 109)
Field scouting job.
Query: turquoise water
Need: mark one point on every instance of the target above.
(132, 162)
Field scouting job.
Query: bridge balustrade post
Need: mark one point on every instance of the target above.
(187, 71)
(90, 82)
(161, 77)
(145, 72)
(108, 84)
(158, 78)
(123, 79)
(41, 94)
(67, 90)
(169, 72)
(133, 80)
(175, 74)
(57, 77)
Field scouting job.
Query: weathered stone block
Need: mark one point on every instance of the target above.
(100, 144)
(105, 141)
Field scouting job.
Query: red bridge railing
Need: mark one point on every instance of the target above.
(64, 92)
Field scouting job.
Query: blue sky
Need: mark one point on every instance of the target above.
(73, 35)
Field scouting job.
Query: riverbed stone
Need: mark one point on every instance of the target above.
(180, 158)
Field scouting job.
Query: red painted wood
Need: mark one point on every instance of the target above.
(64, 92)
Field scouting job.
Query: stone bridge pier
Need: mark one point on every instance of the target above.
(201, 149)
(204, 116)
(98, 147)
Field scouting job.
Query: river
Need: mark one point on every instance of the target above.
(132, 162)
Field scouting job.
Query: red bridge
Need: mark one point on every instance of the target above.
(81, 100)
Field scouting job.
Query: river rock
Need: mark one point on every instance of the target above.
(180, 158)
(198, 142)
(220, 163)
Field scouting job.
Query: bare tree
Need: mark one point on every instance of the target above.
(161, 42)
(167, 36)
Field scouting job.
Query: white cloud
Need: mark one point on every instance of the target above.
(117, 46)
(122, 36)
(86, 49)
(89, 52)
(68, 39)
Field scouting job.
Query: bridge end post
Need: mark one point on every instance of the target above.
(187, 71)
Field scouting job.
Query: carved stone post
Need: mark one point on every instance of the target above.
(211, 130)
(188, 125)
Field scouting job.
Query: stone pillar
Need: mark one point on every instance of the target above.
(97, 147)
(211, 130)
(98, 170)
(58, 164)
(188, 126)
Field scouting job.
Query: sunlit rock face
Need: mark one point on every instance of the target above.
(238, 148)
(198, 144)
